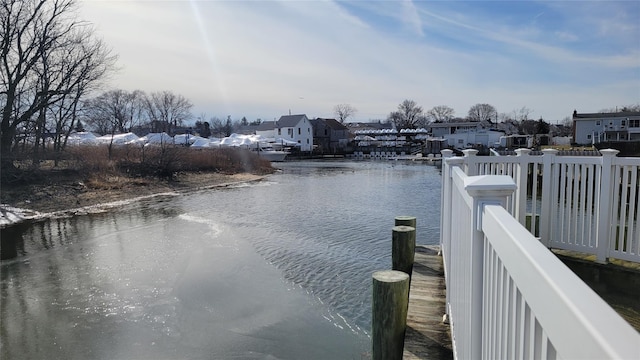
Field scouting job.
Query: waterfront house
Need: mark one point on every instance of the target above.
(290, 128)
(594, 128)
(462, 135)
(329, 135)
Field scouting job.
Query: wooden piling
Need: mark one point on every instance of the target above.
(390, 299)
(403, 248)
(405, 221)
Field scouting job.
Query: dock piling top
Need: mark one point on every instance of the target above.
(405, 221)
(390, 276)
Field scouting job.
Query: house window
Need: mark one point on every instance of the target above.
(279, 131)
(598, 122)
(307, 141)
(290, 132)
(298, 131)
(623, 122)
(589, 137)
(326, 132)
(634, 123)
(460, 141)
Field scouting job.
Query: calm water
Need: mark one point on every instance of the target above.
(277, 269)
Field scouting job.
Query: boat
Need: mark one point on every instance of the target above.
(271, 154)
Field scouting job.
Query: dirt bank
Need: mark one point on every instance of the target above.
(57, 192)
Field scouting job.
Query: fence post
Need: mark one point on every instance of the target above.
(445, 215)
(548, 181)
(607, 188)
(485, 190)
(470, 161)
(522, 180)
(403, 248)
(390, 301)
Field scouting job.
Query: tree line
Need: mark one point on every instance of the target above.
(409, 115)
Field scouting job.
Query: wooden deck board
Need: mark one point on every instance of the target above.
(427, 337)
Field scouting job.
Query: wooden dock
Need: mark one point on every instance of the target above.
(426, 336)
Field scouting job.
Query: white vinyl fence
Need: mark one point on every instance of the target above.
(508, 296)
(581, 203)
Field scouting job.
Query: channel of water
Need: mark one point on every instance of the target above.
(276, 269)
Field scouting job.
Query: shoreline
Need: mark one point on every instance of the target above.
(34, 202)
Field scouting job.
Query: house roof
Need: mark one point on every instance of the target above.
(456, 124)
(247, 129)
(266, 126)
(331, 123)
(290, 120)
(605, 115)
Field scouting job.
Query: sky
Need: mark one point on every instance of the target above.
(265, 59)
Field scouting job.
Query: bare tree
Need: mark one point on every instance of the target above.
(441, 113)
(522, 114)
(166, 110)
(47, 57)
(482, 112)
(344, 111)
(217, 127)
(116, 110)
(505, 117)
(408, 116)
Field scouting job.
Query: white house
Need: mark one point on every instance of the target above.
(598, 127)
(296, 128)
(465, 134)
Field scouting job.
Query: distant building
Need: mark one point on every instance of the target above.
(448, 128)
(463, 135)
(296, 128)
(330, 136)
(593, 128)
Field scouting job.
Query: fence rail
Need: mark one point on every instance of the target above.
(508, 296)
(581, 203)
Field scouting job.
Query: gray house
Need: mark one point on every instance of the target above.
(329, 135)
(593, 128)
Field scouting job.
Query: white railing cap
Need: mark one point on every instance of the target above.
(490, 185)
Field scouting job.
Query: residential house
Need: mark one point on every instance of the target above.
(453, 127)
(330, 136)
(466, 134)
(593, 128)
(296, 128)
